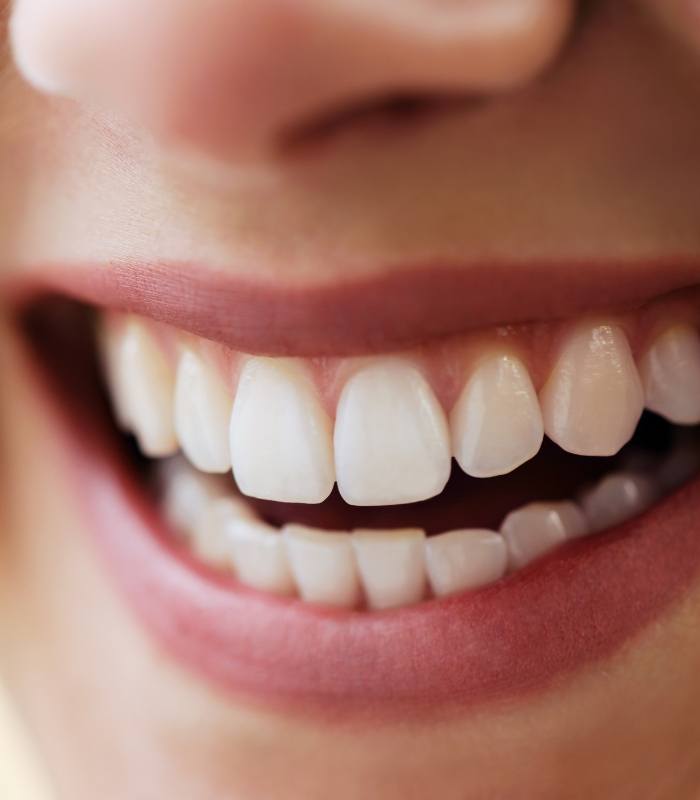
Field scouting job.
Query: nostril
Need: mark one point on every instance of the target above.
(392, 112)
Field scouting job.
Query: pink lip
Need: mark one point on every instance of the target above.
(399, 308)
(578, 606)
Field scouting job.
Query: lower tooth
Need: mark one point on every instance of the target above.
(617, 498)
(392, 566)
(260, 557)
(323, 563)
(538, 528)
(465, 559)
(186, 494)
(680, 465)
(211, 535)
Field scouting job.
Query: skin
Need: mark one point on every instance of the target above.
(606, 163)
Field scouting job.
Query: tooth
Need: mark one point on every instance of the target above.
(391, 437)
(109, 343)
(260, 557)
(617, 498)
(680, 465)
(391, 565)
(535, 529)
(593, 399)
(143, 384)
(323, 564)
(202, 414)
(671, 375)
(212, 538)
(464, 559)
(281, 438)
(496, 424)
(186, 493)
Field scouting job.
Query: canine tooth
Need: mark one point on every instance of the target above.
(616, 498)
(281, 438)
(324, 566)
(671, 375)
(535, 529)
(211, 538)
(391, 436)
(496, 424)
(391, 565)
(185, 493)
(464, 559)
(143, 383)
(593, 399)
(202, 414)
(260, 557)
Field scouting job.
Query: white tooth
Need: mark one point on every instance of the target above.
(671, 375)
(109, 343)
(202, 414)
(535, 529)
(392, 566)
(496, 424)
(323, 564)
(464, 559)
(185, 493)
(281, 438)
(260, 557)
(391, 437)
(143, 383)
(212, 536)
(593, 399)
(617, 498)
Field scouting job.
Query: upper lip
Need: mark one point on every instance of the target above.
(399, 308)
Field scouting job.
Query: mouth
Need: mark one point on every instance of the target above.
(453, 522)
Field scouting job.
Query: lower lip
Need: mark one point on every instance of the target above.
(575, 607)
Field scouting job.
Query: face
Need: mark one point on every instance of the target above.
(351, 375)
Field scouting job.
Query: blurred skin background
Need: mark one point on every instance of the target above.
(134, 131)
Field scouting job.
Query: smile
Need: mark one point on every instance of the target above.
(460, 519)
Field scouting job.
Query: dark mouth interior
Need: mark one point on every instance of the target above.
(61, 334)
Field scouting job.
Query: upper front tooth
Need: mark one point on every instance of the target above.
(143, 382)
(593, 399)
(323, 563)
(281, 439)
(392, 566)
(535, 529)
(202, 414)
(616, 498)
(671, 375)
(496, 423)
(391, 436)
(464, 559)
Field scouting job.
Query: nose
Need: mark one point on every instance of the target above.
(228, 78)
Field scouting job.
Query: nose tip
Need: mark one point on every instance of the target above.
(227, 77)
